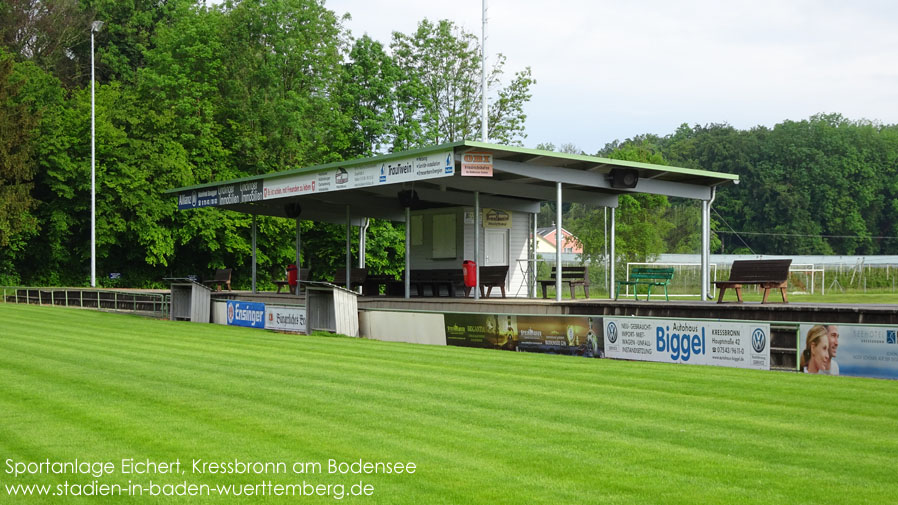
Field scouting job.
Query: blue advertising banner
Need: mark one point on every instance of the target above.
(249, 314)
(198, 198)
(860, 351)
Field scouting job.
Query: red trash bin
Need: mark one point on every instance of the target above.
(291, 275)
(470, 270)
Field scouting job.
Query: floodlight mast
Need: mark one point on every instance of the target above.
(94, 28)
(485, 120)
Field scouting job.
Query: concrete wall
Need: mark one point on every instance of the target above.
(410, 327)
(220, 311)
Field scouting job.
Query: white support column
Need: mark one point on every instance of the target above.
(477, 245)
(93, 172)
(363, 242)
(706, 245)
(254, 253)
(533, 264)
(611, 257)
(484, 128)
(559, 242)
(298, 254)
(408, 252)
(348, 247)
(605, 244)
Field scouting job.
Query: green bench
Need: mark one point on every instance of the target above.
(646, 276)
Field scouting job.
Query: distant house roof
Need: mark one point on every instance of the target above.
(545, 230)
(546, 233)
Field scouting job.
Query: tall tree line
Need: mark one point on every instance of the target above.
(188, 94)
(824, 185)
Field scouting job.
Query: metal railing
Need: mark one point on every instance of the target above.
(138, 302)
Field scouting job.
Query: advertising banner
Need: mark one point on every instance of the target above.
(496, 218)
(248, 314)
(243, 192)
(476, 330)
(740, 345)
(292, 185)
(394, 171)
(198, 198)
(860, 351)
(477, 164)
(551, 334)
(278, 317)
(389, 172)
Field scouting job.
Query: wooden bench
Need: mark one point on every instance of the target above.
(303, 276)
(373, 282)
(222, 276)
(646, 276)
(491, 277)
(436, 279)
(574, 276)
(768, 274)
(357, 277)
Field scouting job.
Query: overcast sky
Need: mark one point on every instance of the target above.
(609, 70)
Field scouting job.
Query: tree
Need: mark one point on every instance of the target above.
(45, 32)
(441, 65)
(282, 63)
(17, 127)
(640, 222)
(367, 96)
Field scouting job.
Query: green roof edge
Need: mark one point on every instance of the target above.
(464, 143)
(596, 159)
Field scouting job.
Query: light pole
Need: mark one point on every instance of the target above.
(94, 28)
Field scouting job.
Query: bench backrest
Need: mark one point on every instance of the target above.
(651, 273)
(453, 275)
(493, 274)
(222, 275)
(760, 270)
(573, 274)
(356, 276)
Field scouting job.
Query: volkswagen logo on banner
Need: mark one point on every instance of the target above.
(611, 332)
(758, 340)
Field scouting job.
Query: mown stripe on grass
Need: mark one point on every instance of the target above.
(490, 427)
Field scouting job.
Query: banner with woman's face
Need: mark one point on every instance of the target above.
(860, 351)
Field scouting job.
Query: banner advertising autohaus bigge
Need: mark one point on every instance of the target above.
(730, 344)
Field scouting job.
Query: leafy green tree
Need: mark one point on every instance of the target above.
(283, 63)
(640, 222)
(18, 120)
(367, 95)
(441, 65)
(47, 33)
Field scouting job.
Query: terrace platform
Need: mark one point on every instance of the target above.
(748, 311)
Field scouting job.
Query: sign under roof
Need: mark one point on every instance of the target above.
(507, 177)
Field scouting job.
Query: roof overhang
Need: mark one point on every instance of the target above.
(520, 180)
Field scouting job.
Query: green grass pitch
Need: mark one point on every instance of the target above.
(482, 427)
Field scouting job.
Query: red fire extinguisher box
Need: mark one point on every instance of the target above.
(291, 275)
(470, 270)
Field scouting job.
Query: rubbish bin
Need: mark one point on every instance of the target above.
(470, 273)
(291, 275)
